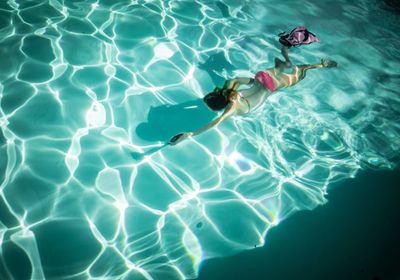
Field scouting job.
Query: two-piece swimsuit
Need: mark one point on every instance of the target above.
(264, 79)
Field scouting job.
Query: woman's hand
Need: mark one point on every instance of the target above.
(179, 138)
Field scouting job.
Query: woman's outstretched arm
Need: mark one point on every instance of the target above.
(230, 109)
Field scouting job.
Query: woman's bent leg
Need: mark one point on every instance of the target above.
(285, 54)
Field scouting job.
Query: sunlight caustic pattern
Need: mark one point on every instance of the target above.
(90, 91)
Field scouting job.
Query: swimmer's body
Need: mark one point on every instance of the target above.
(234, 100)
(245, 100)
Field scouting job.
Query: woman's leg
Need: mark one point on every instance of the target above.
(281, 65)
(302, 69)
(285, 53)
(324, 63)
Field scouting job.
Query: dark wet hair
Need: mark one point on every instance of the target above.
(217, 99)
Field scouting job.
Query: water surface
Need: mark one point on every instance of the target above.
(91, 90)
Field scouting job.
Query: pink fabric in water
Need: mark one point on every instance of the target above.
(297, 36)
(266, 80)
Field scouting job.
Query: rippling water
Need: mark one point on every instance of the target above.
(90, 91)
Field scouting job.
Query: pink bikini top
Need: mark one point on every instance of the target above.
(266, 80)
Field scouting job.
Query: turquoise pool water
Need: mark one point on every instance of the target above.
(91, 90)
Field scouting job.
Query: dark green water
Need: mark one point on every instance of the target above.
(355, 236)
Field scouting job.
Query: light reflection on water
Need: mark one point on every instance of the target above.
(90, 91)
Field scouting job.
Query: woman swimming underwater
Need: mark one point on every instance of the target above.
(234, 100)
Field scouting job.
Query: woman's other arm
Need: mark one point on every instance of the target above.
(237, 82)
